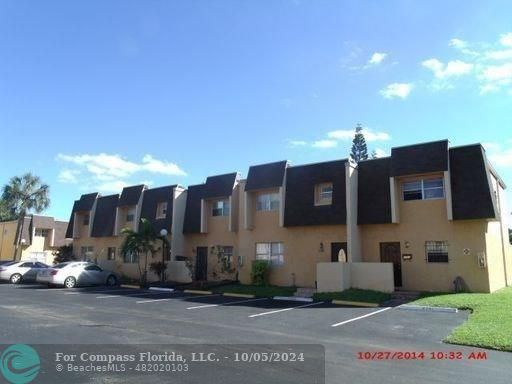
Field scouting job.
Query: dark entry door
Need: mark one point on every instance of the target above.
(202, 263)
(335, 250)
(390, 253)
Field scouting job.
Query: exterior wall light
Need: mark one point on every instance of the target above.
(321, 246)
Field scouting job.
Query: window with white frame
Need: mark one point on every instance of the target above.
(161, 210)
(111, 253)
(424, 189)
(271, 252)
(436, 251)
(130, 257)
(323, 194)
(220, 208)
(227, 255)
(130, 215)
(41, 232)
(268, 202)
(86, 252)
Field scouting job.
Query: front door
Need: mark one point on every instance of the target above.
(390, 253)
(202, 263)
(335, 251)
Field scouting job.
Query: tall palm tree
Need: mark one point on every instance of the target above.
(142, 242)
(24, 194)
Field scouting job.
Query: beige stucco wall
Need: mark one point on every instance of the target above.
(333, 277)
(374, 276)
(7, 236)
(301, 245)
(424, 220)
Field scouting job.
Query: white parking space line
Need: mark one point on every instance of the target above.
(186, 297)
(285, 309)
(223, 304)
(360, 317)
(130, 295)
(97, 291)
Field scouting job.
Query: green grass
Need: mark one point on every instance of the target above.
(352, 294)
(258, 290)
(490, 323)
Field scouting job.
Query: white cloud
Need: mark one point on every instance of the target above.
(458, 43)
(501, 74)
(377, 58)
(500, 155)
(324, 144)
(297, 143)
(503, 54)
(68, 176)
(348, 134)
(110, 186)
(506, 39)
(106, 167)
(451, 69)
(401, 90)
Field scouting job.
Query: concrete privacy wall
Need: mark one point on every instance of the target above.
(178, 271)
(336, 277)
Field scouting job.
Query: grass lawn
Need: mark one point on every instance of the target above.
(352, 294)
(490, 323)
(258, 290)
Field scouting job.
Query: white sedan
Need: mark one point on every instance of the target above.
(25, 271)
(74, 273)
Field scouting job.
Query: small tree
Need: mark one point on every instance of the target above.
(142, 243)
(63, 254)
(359, 149)
(259, 272)
(158, 268)
(374, 154)
(21, 195)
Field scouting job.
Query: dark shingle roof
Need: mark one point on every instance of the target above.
(373, 191)
(105, 216)
(300, 208)
(151, 199)
(266, 176)
(220, 186)
(471, 193)
(192, 221)
(71, 223)
(130, 195)
(86, 202)
(419, 158)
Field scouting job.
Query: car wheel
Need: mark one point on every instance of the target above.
(15, 279)
(70, 282)
(112, 281)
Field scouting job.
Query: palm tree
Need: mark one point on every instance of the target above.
(24, 194)
(142, 242)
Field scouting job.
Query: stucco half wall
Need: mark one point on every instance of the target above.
(336, 277)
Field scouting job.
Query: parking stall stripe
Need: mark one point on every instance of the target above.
(186, 297)
(131, 295)
(285, 309)
(360, 317)
(97, 291)
(224, 304)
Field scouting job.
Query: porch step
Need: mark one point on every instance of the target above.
(305, 292)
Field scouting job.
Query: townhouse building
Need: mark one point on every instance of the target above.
(40, 237)
(428, 217)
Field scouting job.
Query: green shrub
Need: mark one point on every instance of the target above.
(259, 272)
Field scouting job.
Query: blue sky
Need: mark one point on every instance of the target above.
(95, 95)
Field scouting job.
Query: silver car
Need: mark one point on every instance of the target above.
(25, 271)
(74, 273)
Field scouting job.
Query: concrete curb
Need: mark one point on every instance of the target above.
(294, 298)
(129, 286)
(161, 289)
(198, 292)
(354, 303)
(420, 308)
(247, 296)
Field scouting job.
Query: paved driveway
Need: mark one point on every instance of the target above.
(33, 314)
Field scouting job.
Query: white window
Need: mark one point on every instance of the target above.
(131, 257)
(424, 189)
(111, 253)
(220, 208)
(323, 194)
(40, 232)
(227, 256)
(130, 215)
(268, 202)
(86, 252)
(161, 210)
(436, 251)
(271, 252)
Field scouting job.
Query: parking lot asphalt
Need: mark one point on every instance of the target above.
(34, 314)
